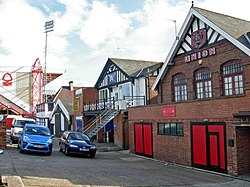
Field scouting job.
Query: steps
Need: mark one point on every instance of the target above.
(100, 121)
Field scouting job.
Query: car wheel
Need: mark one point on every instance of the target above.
(49, 153)
(60, 148)
(92, 155)
(18, 146)
(21, 151)
(66, 151)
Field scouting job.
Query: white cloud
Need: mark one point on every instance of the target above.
(145, 34)
(102, 25)
(19, 35)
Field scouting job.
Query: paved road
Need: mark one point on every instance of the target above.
(108, 169)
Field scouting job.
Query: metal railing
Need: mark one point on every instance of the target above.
(100, 104)
(112, 103)
(134, 100)
(96, 122)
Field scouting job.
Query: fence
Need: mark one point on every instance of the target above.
(112, 103)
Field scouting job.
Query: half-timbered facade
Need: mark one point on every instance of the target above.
(122, 83)
(127, 80)
(203, 112)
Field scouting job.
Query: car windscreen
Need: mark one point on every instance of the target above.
(78, 136)
(37, 131)
(22, 123)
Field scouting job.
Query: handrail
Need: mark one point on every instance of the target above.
(101, 104)
(109, 103)
(98, 118)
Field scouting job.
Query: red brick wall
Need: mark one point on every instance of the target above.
(3, 139)
(225, 51)
(121, 135)
(178, 149)
(153, 93)
(243, 149)
(89, 95)
(216, 109)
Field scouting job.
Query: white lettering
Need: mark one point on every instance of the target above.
(187, 58)
(200, 54)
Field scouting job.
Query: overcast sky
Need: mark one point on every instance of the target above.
(88, 32)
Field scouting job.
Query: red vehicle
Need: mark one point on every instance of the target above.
(9, 119)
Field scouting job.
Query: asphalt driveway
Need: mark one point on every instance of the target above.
(113, 168)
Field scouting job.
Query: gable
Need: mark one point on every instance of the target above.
(111, 75)
(198, 30)
(118, 71)
(214, 27)
(59, 106)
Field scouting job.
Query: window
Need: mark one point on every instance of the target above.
(174, 129)
(180, 87)
(233, 78)
(103, 94)
(203, 83)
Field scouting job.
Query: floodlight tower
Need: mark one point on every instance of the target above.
(49, 25)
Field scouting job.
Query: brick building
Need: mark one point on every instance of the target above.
(202, 118)
(3, 138)
(123, 83)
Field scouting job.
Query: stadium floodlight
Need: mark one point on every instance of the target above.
(49, 25)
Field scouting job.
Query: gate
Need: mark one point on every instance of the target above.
(143, 139)
(208, 144)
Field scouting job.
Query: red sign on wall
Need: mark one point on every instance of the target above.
(7, 79)
(168, 111)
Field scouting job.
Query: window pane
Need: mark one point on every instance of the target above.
(173, 128)
(233, 79)
(179, 129)
(180, 92)
(160, 128)
(167, 129)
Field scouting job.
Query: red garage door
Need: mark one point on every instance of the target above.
(143, 139)
(209, 146)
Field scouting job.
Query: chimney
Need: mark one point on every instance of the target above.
(71, 85)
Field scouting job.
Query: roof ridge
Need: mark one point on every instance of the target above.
(133, 60)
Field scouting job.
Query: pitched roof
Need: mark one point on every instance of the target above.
(233, 26)
(132, 66)
(233, 29)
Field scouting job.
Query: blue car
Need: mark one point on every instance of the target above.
(35, 138)
(76, 143)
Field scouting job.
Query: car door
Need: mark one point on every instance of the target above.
(63, 141)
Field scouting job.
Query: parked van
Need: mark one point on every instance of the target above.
(9, 120)
(17, 125)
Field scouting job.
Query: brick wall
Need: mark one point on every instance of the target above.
(121, 135)
(3, 139)
(243, 149)
(216, 109)
(178, 149)
(225, 51)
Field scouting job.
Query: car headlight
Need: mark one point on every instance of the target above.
(92, 147)
(49, 141)
(26, 138)
(72, 145)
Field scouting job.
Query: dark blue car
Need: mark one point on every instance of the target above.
(76, 143)
(35, 138)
